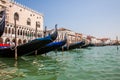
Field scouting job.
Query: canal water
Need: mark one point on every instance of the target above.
(94, 63)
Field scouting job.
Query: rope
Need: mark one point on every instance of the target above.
(13, 47)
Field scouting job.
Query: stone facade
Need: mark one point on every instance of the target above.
(72, 36)
(29, 23)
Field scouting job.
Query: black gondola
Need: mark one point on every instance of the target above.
(50, 47)
(28, 47)
(2, 22)
(86, 45)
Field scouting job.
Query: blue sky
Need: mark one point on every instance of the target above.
(99, 18)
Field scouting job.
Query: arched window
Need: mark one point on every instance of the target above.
(16, 16)
(32, 34)
(18, 32)
(13, 32)
(6, 30)
(24, 41)
(1, 40)
(28, 21)
(26, 33)
(9, 31)
(19, 42)
(38, 24)
(7, 40)
(23, 33)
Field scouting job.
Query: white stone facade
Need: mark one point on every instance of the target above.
(72, 36)
(29, 22)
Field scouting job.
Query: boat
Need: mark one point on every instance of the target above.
(49, 47)
(71, 46)
(85, 46)
(4, 45)
(28, 47)
(2, 23)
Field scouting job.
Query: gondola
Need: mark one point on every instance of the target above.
(86, 46)
(71, 46)
(49, 47)
(2, 23)
(28, 47)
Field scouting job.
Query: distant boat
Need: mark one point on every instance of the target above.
(72, 46)
(28, 47)
(2, 22)
(50, 47)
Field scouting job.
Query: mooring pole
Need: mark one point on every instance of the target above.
(68, 43)
(36, 35)
(117, 42)
(44, 34)
(15, 18)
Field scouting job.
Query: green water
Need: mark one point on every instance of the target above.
(95, 63)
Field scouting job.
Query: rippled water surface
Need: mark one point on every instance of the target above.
(94, 63)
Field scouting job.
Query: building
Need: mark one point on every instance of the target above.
(71, 35)
(29, 23)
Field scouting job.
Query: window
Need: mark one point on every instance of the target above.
(18, 31)
(20, 9)
(10, 5)
(28, 21)
(9, 31)
(16, 16)
(13, 32)
(38, 24)
(5, 29)
(1, 14)
(3, 1)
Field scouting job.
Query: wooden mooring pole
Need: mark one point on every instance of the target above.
(44, 33)
(15, 18)
(36, 35)
(117, 42)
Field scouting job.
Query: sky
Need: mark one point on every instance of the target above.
(99, 18)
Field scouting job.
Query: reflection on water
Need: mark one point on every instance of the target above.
(95, 63)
